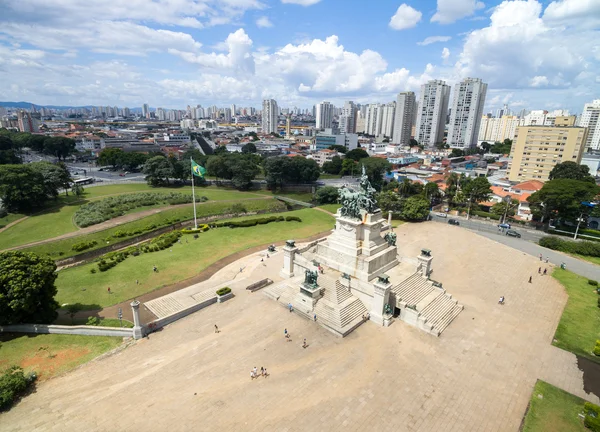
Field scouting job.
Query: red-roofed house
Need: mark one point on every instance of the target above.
(520, 192)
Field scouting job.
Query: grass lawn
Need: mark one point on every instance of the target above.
(186, 260)
(58, 220)
(63, 248)
(104, 322)
(331, 208)
(556, 411)
(52, 354)
(10, 218)
(579, 325)
(593, 260)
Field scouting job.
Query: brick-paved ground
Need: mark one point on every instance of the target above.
(478, 376)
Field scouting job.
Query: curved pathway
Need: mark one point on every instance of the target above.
(111, 223)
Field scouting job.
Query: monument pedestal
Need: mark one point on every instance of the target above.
(289, 253)
(381, 297)
(306, 299)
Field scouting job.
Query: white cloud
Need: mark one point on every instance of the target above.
(445, 53)
(577, 12)
(539, 81)
(264, 21)
(301, 2)
(449, 11)
(433, 39)
(405, 17)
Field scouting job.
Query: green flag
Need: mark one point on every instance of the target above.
(198, 170)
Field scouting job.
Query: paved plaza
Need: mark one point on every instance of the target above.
(478, 376)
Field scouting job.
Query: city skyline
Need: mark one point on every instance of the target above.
(171, 54)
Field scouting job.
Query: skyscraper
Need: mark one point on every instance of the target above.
(26, 122)
(467, 109)
(348, 118)
(324, 116)
(590, 119)
(270, 114)
(431, 118)
(405, 111)
(386, 120)
(145, 111)
(372, 119)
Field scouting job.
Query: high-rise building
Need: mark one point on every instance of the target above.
(498, 129)
(227, 115)
(467, 109)
(537, 149)
(233, 110)
(324, 117)
(26, 122)
(405, 111)
(372, 119)
(348, 118)
(145, 111)
(270, 115)
(534, 118)
(590, 119)
(431, 117)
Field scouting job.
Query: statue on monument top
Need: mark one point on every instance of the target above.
(310, 278)
(354, 201)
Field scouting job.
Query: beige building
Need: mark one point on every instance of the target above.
(494, 129)
(537, 149)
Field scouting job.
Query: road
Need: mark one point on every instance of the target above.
(527, 244)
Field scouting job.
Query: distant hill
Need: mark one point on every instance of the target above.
(27, 105)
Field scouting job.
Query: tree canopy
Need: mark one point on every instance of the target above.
(327, 195)
(249, 148)
(158, 170)
(415, 208)
(571, 170)
(357, 154)
(8, 151)
(22, 188)
(334, 166)
(27, 288)
(562, 198)
(283, 169)
(338, 148)
(375, 169)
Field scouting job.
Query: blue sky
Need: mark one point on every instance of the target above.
(534, 54)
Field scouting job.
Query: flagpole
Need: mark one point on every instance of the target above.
(193, 194)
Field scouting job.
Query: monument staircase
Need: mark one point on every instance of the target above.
(432, 307)
(338, 310)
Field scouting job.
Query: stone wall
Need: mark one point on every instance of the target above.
(161, 322)
(70, 330)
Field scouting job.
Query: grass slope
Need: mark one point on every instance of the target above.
(52, 354)
(579, 325)
(180, 262)
(63, 248)
(58, 220)
(556, 411)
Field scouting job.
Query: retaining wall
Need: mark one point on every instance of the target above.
(161, 322)
(70, 330)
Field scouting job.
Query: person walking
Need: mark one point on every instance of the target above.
(547, 259)
(290, 307)
(216, 329)
(540, 270)
(545, 271)
(137, 282)
(266, 374)
(286, 334)
(109, 290)
(304, 345)
(530, 277)
(541, 257)
(315, 317)
(262, 371)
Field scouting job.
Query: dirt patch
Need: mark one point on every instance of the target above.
(46, 362)
(591, 375)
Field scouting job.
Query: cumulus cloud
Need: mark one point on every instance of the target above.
(301, 2)
(405, 17)
(445, 53)
(579, 12)
(539, 81)
(433, 39)
(264, 21)
(449, 11)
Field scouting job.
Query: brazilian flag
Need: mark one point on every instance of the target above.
(198, 170)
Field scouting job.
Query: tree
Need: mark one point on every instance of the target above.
(415, 208)
(348, 167)
(357, 154)
(283, 169)
(61, 147)
(389, 201)
(158, 170)
(73, 309)
(414, 143)
(456, 153)
(452, 184)
(274, 168)
(178, 170)
(110, 156)
(8, 154)
(77, 189)
(334, 166)
(562, 198)
(392, 185)
(477, 190)
(130, 160)
(375, 169)
(56, 177)
(243, 171)
(405, 187)
(486, 146)
(338, 148)
(217, 166)
(249, 148)
(327, 195)
(571, 170)
(221, 150)
(27, 288)
(432, 192)
(21, 188)
(500, 207)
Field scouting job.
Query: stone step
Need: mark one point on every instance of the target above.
(413, 289)
(204, 295)
(449, 318)
(164, 306)
(352, 311)
(438, 312)
(427, 300)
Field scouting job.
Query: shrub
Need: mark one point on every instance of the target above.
(92, 270)
(106, 265)
(78, 247)
(597, 348)
(587, 248)
(3, 212)
(164, 241)
(593, 283)
(13, 383)
(485, 214)
(237, 209)
(591, 420)
(200, 229)
(223, 291)
(293, 218)
(93, 321)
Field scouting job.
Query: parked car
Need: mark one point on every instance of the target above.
(513, 233)
(442, 215)
(504, 226)
(453, 222)
(122, 175)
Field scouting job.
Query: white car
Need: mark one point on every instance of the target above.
(444, 215)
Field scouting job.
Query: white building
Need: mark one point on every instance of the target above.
(145, 111)
(498, 129)
(270, 115)
(589, 119)
(373, 119)
(348, 118)
(534, 118)
(431, 117)
(551, 116)
(467, 109)
(405, 111)
(324, 115)
(387, 118)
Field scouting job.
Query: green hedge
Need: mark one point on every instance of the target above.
(570, 235)
(586, 248)
(486, 214)
(13, 384)
(597, 348)
(257, 221)
(592, 414)
(223, 291)
(201, 228)
(102, 210)
(78, 247)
